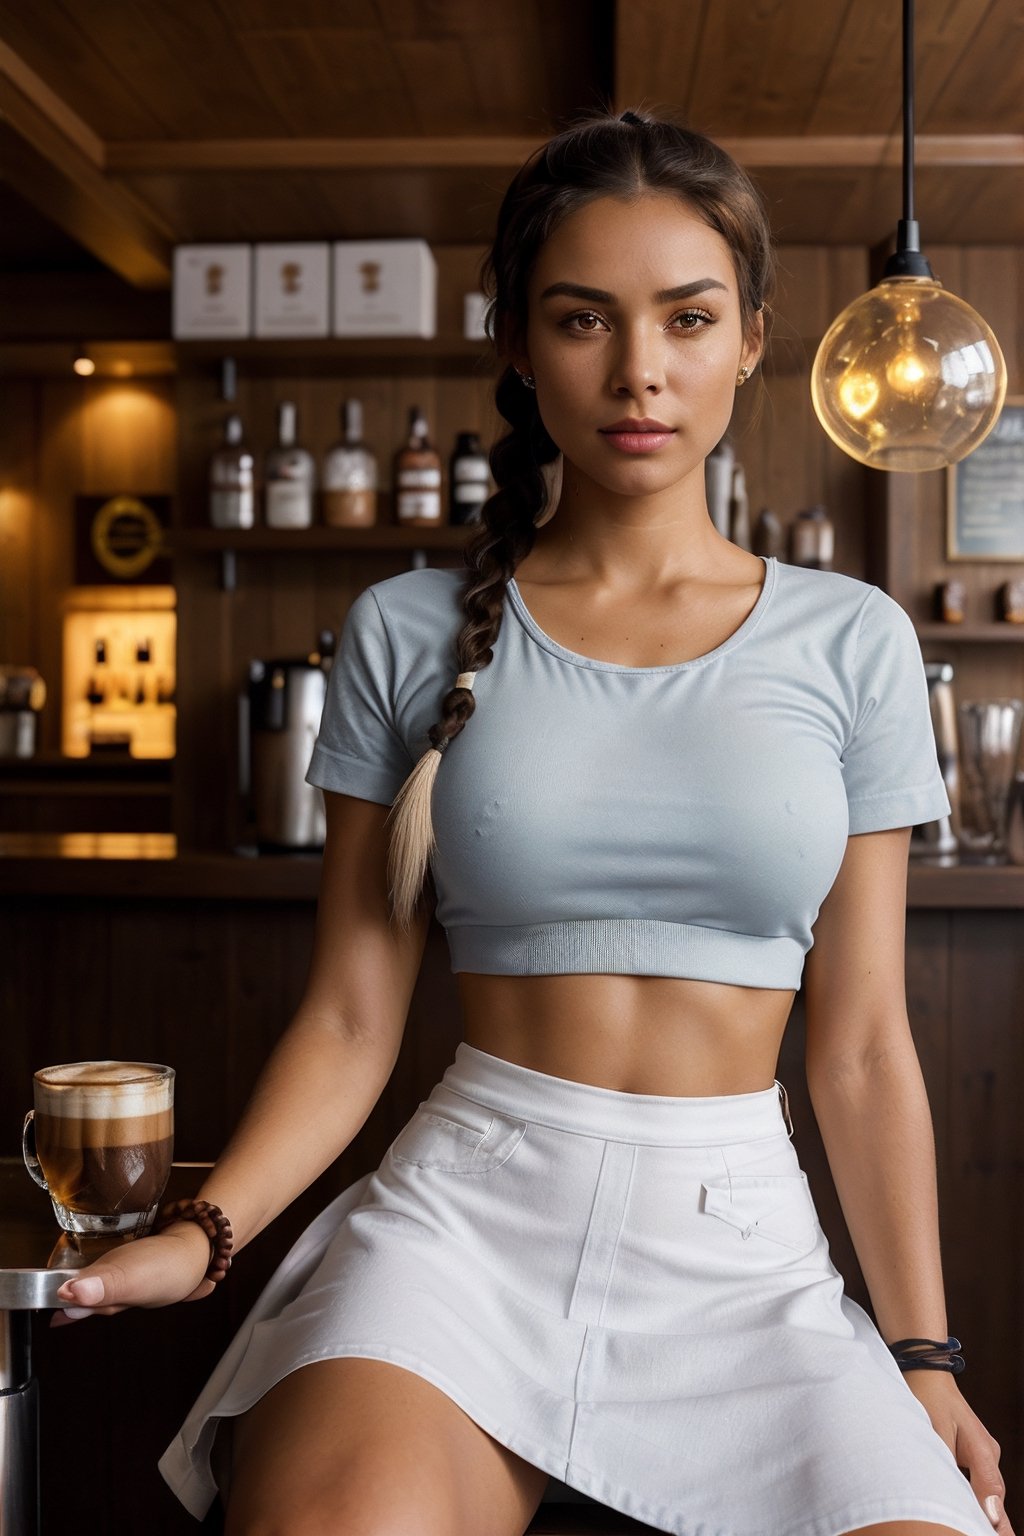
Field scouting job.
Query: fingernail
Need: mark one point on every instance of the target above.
(89, 1291)
(993, 1508)
(76, 1312)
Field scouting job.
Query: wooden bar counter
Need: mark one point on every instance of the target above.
(150, 864)
(125, 946)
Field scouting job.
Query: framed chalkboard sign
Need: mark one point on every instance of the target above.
(985, 494)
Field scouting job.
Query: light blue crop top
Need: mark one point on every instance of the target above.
(681, 820)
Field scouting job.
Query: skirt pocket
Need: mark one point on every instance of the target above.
(775, 1207)
(469, 1139)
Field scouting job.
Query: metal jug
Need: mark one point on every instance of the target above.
(940, 839)
(280, 718)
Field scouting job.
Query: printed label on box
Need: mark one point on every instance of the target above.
(384, 288)
(211, 291)
(292, 290)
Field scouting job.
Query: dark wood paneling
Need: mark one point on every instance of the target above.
(208, 987)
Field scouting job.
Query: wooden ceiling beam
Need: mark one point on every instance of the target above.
(819, 152)
(57, 163)
(161, 156)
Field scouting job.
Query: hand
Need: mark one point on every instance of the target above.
(976, 1452)
(147, 1272)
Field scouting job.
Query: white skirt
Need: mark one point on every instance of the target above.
(631, 1291)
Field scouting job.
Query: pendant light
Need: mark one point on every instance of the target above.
(908, 377)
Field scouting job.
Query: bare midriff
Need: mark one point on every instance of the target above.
(637, 1034)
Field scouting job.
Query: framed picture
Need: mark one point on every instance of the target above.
(985, 494)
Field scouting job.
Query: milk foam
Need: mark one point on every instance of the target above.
(82, 1090)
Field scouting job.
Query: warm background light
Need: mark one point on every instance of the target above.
(908, 377)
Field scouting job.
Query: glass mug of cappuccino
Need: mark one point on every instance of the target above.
(100, 1141)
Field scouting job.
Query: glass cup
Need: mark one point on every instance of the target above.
(989, 741)
(100, 1141)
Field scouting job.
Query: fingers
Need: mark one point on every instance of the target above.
(153, 1271)
(993, 1507)
(86, 1293)
(87, 1289)
(79, 1314)
(98, 1284)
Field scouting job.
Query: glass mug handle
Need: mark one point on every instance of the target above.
(28, 1152)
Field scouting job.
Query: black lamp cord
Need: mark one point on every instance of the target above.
(907, 260)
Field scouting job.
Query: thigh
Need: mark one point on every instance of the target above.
(365, 1448)
(904, 1528)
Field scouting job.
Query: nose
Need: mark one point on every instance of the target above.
(639, 364)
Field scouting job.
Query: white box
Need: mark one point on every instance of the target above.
(474, 308)
(384, 288)
(211, 291)
(292, 290)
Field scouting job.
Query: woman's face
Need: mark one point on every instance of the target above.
(634, 316)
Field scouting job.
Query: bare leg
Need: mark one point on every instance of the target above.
(905, 1528)
(365, 1448)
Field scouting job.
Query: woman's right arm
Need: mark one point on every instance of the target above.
(319, 1084)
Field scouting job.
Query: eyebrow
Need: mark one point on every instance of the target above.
(598, 295)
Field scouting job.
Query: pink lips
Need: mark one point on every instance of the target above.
(638, 436)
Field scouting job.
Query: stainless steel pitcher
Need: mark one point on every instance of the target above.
(285, 701)
(941, 839)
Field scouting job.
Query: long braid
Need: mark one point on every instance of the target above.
(509, 518)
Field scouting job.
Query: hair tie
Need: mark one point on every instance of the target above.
(465, 680)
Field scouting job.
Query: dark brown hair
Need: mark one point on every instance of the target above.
(598, 156)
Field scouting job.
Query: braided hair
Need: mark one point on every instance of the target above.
(600, 155)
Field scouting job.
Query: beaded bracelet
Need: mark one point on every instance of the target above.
(213, 1222)
(937, 1356)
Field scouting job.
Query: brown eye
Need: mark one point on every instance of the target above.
(588, 322)
(694, 314)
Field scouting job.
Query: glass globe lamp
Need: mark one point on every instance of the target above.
(908, 377)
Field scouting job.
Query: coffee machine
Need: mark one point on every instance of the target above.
(280, 714)
(22, 696)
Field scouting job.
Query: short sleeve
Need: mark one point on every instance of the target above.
(358, 750)
(890, 763)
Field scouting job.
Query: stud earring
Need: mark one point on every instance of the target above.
(528, 379)
(743, 375)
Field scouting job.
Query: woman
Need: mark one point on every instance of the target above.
(592, 1253)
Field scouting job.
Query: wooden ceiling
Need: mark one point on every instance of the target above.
(136, 124)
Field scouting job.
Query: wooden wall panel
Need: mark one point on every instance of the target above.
(910, 510)
(20, 608)
(985, 1136)
(68, 437)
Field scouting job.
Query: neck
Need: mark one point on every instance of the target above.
(626, 541)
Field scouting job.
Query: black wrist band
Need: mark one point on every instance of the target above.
(928, 1355)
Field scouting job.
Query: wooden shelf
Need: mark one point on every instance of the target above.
(995, 631)
(318, 538)
(341, 355)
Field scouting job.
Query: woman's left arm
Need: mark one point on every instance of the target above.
(872, 1109)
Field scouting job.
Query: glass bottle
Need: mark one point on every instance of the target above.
(290, 475)
(739, 509)
(768, 534)
(232, 480)
(418, 477)
(469, 479)
(812, 539)
(350, 475)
